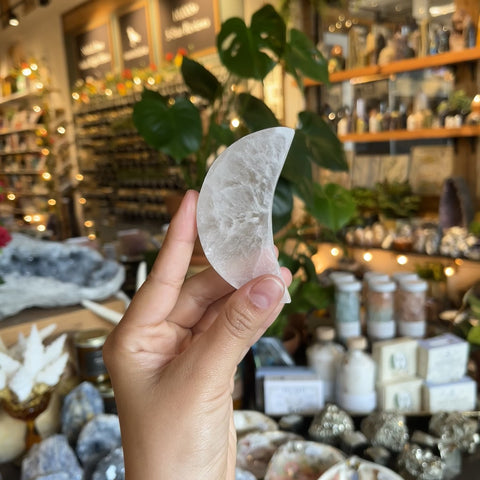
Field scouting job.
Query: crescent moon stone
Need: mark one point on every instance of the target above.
(234, 211)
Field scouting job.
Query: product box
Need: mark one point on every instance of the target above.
(443, 358)
(396, 359)
(401, 395)
(284, 390)
(459, 395)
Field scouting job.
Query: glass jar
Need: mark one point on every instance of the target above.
(89, 358)
(324, 356)
(369, 277)
(347, 308)
(356, 378)
(381, 309)
(410, 308)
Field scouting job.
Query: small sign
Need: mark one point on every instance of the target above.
(94, 57)
(134, 39)
(188, 25)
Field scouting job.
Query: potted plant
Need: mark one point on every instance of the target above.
(192, 128)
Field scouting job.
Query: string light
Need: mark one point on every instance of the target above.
(75, 96)
(37, 108)
(108, 92)
(79, 177)
(402, 260)
(52, 202)
(449, 271)
(39, 85)
(235, 123)
(11, 196)
(88, 223)
(335, 252)
(458, 262)
(41, 228)
(26, 71)
(92, 236)
(45, 152)
(367, 256)
(37, 218)
(34, 67)
(27, 218)
(61, 130)
(137, 80)
(46, 176)
(82, 201)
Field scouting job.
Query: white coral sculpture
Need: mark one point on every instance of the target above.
(29, 363)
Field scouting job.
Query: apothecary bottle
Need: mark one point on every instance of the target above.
(356, 378)
(324, 356)
(410, 308)
(347, 308)
(381, 309)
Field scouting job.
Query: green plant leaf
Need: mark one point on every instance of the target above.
(269, 30)
(221, 134)
(239, 51)
(200, 80)
(473, 335)
(288, 261)
(282, 205)
(317, 295)
(163, 126)
(303, 59)
(254, 113)
(150, 119)
(333, 206)
(322, 144)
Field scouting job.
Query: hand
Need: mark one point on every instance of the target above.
(173, 357)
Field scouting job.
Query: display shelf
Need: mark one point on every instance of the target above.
(21, 172)
(406, 65)
(26, 128)
(15, 97)
(422, 133)
(21, 152)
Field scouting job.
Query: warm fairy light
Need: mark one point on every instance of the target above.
(52, 202)
(367, 256)
(82, 201)
(458, 261)
(45, 151)
(42, 132)
(27, 218)
(79, 177)
(108, 92)
(26, 71)
(348, 23)
(233, 87)
(151, 81)
(171, 101)
(46, 175)
(88, 223)
(331, 116)
(33, 67)
(38, 85)
(37, 218)
(331, 28)
(11, 196)
(37, 108)
(92, 236)
(235, 122)
(335, 252)
(41, 228)
(75, 96)
(449, 271)
(137, 80)
(61, 130)
(402, 260)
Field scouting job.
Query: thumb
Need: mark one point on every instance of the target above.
(243, 319)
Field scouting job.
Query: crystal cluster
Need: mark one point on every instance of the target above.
(29, 366)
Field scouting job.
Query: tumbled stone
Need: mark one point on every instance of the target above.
(97, 439)
(54, 476)
(52, 455)
(82, 404)
(111, 467)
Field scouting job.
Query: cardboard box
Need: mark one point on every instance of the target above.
(401, 396)
(460, 395)
(396, 359)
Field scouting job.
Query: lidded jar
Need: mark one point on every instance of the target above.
(347, 308)
(324, 357)
(381, 309)
(410, 308)
(356, 378)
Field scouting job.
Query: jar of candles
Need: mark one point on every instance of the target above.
(410, 308)
(381, 309)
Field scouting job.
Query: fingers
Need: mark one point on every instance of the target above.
(244, 318)
(158, 295)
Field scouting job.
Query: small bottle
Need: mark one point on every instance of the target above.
(347, 308)
(324, 357)
(356, 378)
(381, 309)
(410, 308)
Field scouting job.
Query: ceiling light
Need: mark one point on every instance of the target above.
(13, 20)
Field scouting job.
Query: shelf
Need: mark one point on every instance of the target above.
(392, 135)
(26, 128)
(20, 152)
(21, 172)
(406, 65)
(19, 96)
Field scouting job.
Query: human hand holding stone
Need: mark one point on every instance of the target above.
(173, 357)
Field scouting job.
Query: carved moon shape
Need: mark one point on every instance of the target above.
(234, 212)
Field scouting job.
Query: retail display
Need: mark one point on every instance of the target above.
(380, 308)
(234, 211)
(347, 308)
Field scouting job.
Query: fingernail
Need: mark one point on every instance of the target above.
(266, 292)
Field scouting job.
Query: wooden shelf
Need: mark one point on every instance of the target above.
(21, 172)
(409, 64)
(26, 128)
(19, 96)
(398, 135)
(20, 152)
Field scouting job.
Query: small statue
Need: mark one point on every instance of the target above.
(462, 26)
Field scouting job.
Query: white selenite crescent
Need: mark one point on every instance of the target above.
(234, 212)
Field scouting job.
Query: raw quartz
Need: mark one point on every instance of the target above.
(30, 363)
